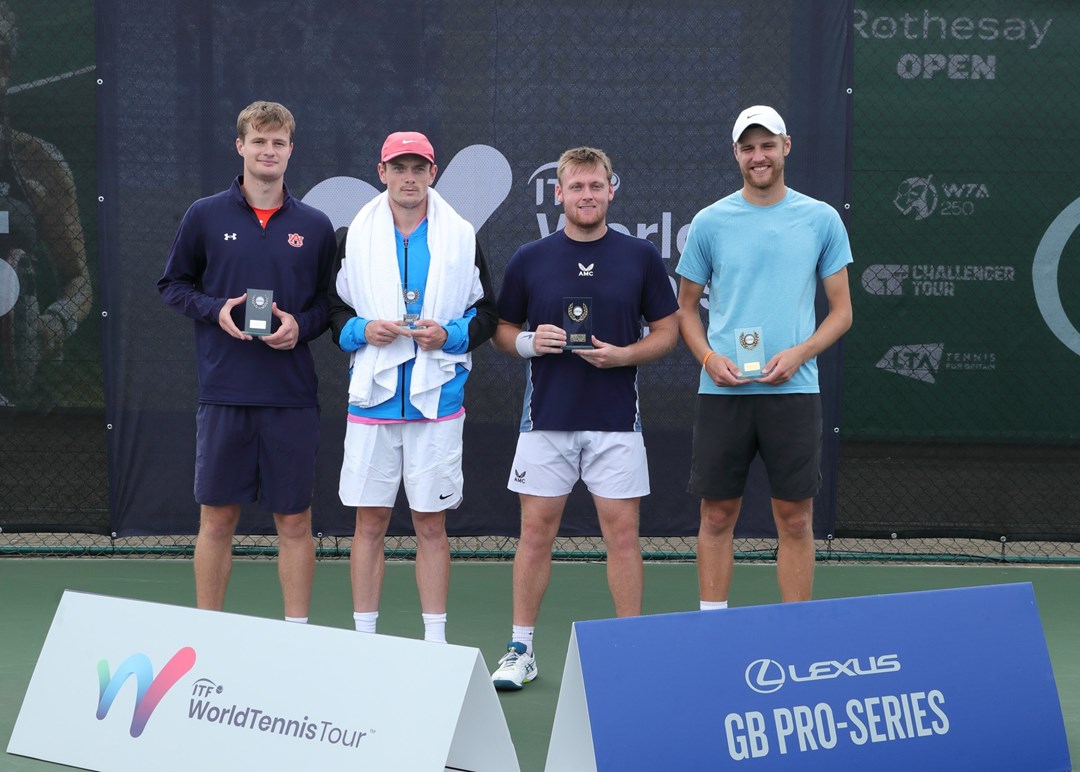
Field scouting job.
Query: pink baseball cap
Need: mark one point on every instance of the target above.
(407, 143)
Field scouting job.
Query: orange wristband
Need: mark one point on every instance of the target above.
(706, 357)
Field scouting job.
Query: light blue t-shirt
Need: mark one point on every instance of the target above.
(761, 265)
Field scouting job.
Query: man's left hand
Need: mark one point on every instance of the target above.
(287, 334)
(603, 355)
(428, 334)
(782, 367)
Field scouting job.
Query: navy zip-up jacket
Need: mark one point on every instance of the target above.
(220, 252)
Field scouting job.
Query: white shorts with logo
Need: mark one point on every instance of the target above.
(425, 454)
(612, 465)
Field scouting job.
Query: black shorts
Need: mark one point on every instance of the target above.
(729, 430)
(245, 454)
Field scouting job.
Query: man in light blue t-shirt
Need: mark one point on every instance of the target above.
(761, 251)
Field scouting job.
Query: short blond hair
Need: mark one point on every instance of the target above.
(584, 156)
(265, 116)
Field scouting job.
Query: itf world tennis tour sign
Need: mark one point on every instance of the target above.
(129, 686)
(949, 679)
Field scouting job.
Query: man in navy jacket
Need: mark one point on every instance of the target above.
(258, 415)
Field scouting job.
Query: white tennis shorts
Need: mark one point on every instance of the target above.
(611, 464)
(425, 454)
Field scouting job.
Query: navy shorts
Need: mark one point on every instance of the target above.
(247, 454)
(729, 430)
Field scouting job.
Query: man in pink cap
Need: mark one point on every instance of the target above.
(412, 299)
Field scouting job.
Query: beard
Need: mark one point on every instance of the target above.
(586, 221)
(776, 173)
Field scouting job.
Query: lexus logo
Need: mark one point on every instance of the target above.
(765, 676)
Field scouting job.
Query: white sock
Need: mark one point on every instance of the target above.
(434, 627)
(713, 605)
(521, 634)
(365, 621)
(297, 620)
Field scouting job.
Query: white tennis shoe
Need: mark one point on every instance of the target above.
(516, 668)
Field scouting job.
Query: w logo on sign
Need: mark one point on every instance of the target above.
(475, 182)
(296, 240)
(150, 690)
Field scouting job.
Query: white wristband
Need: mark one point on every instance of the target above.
(524, 344)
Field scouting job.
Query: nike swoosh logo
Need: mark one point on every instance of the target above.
(448, 495)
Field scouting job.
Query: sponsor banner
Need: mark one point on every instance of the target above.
(127, 685)
(964, 288)
(890, 682)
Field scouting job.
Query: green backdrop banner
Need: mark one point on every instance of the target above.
(966, 287)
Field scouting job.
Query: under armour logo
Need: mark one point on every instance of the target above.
(519, 477)
(230, 237)
(585, 270)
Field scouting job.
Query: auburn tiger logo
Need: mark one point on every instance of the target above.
(296, 240)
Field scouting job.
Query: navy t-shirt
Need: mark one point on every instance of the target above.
(626, 280)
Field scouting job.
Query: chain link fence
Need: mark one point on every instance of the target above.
(959, 436)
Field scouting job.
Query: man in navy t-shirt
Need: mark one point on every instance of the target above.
(583, 292)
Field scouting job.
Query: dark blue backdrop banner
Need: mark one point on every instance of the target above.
(501, 88)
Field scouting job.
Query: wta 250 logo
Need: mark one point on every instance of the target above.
(921, 197)
(150, 688)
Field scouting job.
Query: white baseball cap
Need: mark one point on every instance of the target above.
(758, 115)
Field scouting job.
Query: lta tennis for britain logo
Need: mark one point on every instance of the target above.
(150, 689)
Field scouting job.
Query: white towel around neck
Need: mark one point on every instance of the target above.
(370, 282)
